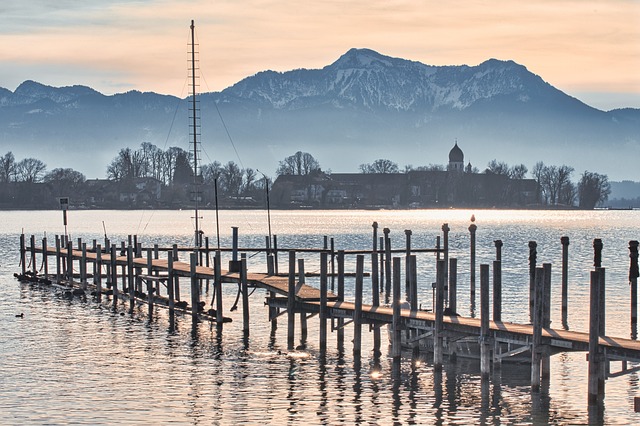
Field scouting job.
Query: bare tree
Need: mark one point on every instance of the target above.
(380, 166)
(593, 189)
(7, 167)
(30, 170)
(300, 163)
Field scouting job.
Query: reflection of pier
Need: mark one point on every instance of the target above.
(129, 272)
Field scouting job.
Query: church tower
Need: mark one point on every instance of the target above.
(456, 159)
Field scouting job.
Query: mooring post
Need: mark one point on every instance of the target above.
(396, 326)
(565, 278)
(151, 291)
(83, 267)
(536, 349)
(597, 262)
(114, 274)
(195, 297)
(170, 283)
(107, 251)
(98, 276)
(596, 383)
(485, 336)
(633, 283)
(497, 291)
(70, 262)
(453, 285)
(123, 268)
(32, 248)
(546, 319)
(323, 303)
(93, 248)
(412, 272)
(275, 254)
(472, 260)
(387, 255)
(130, 281)
(357, 313)
(57, 259)
(333, 265)
(245, 294)
(303, 314)
(45, 257)
(291, 301)
(340, 298)
(445, 247)
(23, 254)
(218, 284)
(207, 262)
(381, 276)
(532, 276)
(438, 340)
(407, 278)
(374, 260)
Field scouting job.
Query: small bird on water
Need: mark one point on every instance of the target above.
(20, 315)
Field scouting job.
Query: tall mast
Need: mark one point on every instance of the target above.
(195, 127)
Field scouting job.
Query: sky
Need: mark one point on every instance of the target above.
(590, 49)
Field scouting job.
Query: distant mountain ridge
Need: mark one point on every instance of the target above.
(362, 107)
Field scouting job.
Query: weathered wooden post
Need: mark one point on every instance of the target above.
(291, 301)
(245, 294)
(341, 298)
(498, 244)
(565, 278)
(387, 255)
(375, 288)
(536, 349)
(57, 259)
(485, 336)
(275, 254)
(357, 313)
(107, 250)
(497, 291)
(218, 284)
(381, 276)
(23, 254)
(323, 303)
(396, 340)
(113, 260)
(453, 285)
(151, 292)
(70, 262)
(407, 277)
(546, 319)
(532, 276)
(170, 283)
(596, 382)
(303, 314)
(438, 341)
(633, 283)
(195, 297)
(597, 262)
(445, 247)
(45, 257)
(98, 276)
(412, 272)
(34, 264)
(472, 260)
(333, 265)
(130, 281)
(83, 267)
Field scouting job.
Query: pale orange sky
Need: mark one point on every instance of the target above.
(588, 49)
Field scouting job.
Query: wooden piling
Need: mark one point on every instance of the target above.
(107, 250)
(245, 294)
(497, 290)
(275, 254)
(532, 276)
(34, 264)
(396, 329)
(412, 273)
(130, 281)
(387, 256)
(218, 284)
(545, 365)
(69, 271)
(195, 297)
(594, 385)
(151, 292)
(536, 349)
(445, 246)
(83, 267)
(45, 258)
(357, 313)
(170, 283)
(453, 284)
(323, 303)
(485, 338)
(114, 274)
(291, 301)
(565, 278)
(375, 287)
(23, 254)
(438, 340)
(472, 260)
(58, 259)
(340, 298)
(633, 283)
(407, 277)
(303, 314)
(98, 276)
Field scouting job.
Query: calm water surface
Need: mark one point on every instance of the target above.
(81, 362)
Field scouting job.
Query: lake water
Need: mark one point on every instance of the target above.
(80, 362)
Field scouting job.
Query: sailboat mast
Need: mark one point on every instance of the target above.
(198, 242)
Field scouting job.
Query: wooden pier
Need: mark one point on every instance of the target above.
(131, 273)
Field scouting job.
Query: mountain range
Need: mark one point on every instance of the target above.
(362, 107)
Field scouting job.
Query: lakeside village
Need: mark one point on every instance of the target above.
(152, 178)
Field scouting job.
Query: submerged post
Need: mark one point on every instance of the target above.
(291, 301)
(485, 337)
(472, 241)
(565, 277)
(633, 283)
